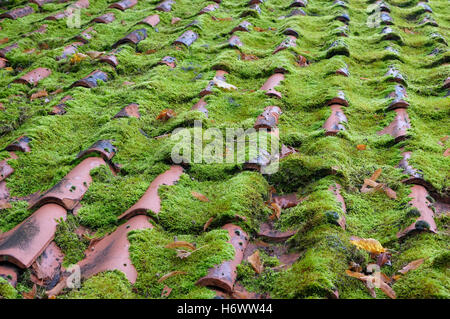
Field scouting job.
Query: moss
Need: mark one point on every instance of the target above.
(152, 260)
(106, 285)
(6, 290)
(71, 244)
(244, 195)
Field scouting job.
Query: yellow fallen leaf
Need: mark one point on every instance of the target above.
(77, 57)
(371, 245)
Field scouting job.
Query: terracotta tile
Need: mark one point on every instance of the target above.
(124, 4)
(105, 18)
(399, 94)
(175, 20)
(280, 251)
(152, 20)
(9, 272)
(343, 17)
(90, 81)
(201, 106)
(3, 63)
(343, 71)
(220, 74)
(296, 12)
(336, 190)
(33, 77)
(446, 83)
(4, 51)
(111, 252)
(71, 189)
(269, 118)
(269, 233)
(414, 176)
(69, 50)
(46, 270)
(209, 8)
(169, 61)
(165, 6)
(82, 4)
(134, 37)
(394, 75)
(244, 26)
(104, 148)
(224, 275)
(24, 243)
(150, 200)
(60, 108)
(131, 110)
(187, 38)
(298, 3)
(20, 145)
(234, 41)
(334, 123)
(286, 151)
(17, 13)
(399, 127)
(271, 83)
(425, 221)
(57, 16)
(290, 41)
(291, 32)
(425, 7)
(338, 99)
(261, 160)
(86, 35)
(110, 59)
(5, 170)
(286, 201)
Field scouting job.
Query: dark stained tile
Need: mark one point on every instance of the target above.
(46, 269)
(335, 121)
(187, 38)
(105, 18)
(268, 233)
(17, 13)
(124, 4)
(20, 145)
(269, 118)
(134, 37)
(131, 110)
(104, 148)
(24, 243)
(10, 272)
(90, 81)
(165, 6)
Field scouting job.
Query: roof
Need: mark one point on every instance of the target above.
(356, 95)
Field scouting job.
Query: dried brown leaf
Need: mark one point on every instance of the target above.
(411, 266)
(376, 174)
(166, 291)
(208, 223)
(181, 253)
(31, 294)
(171, 274)
(181, 244)
(200, 197)
(38, 95)
(255, 261)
